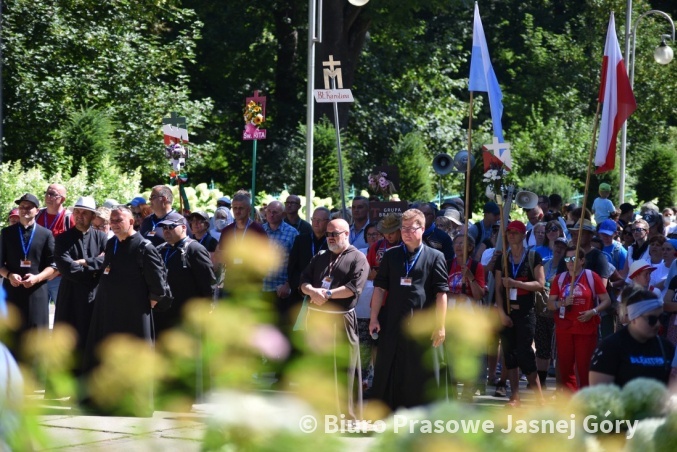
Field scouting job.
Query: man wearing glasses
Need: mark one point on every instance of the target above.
(26, 263)
(58, 220)
(190, 272)
(291, 210)
(132, 282)
(161, 199)
(79, 258)
(415, 279)
(333, 281)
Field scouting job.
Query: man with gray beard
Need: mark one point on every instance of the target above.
(333, 281)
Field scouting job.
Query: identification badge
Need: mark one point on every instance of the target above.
(106, 270)
(326, 282)
(151, 233)
(405, 281)
(562, 311)
(25, 264)
(237, 261)
(513, 293)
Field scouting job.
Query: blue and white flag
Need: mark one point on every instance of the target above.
(483, 78)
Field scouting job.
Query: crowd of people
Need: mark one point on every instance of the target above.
(590, 302)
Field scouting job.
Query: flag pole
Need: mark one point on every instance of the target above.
(581, 221)
(467, 184)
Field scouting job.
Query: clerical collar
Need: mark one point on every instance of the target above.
(429, 230)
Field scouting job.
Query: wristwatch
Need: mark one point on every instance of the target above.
(328, 293)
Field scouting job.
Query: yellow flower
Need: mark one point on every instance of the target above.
(258, 119)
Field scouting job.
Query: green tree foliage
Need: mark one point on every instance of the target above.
(549, 183)
(125, 58)
(325, 162)
(411, 158)
(655, 177)
(88, 136)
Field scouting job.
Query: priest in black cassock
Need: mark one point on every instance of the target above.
(132, 282)
(79, 258)
(415, 278)
(26, 262)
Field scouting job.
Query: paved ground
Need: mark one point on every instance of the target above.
(165, 430)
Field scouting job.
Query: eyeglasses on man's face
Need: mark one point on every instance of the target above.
(568, 259)
(335, 234)
(410, 230)
(52, 194)
(169, 226)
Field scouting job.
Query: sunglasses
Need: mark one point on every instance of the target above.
(568, 259)
(410, 230)
(552, 229)
(638, 230)
(652, 320)
(334, 234)
(170, 226)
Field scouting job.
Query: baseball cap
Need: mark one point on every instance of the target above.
(199, 213)
(13, 213)
(562, 240)
(28, 197)
(652, 218)
(518, 226)
(136, 202)
(608, 227)
(626, 207)
(224, 200)
(604, 187)
(638, 267)
(492, 207)
(173, 218)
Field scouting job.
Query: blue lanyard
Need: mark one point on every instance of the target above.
(516, 270)
(115, 246)
(169, 256)
(567, 287)
(312, 244)
(408, 267)
(203, 237)
(25, 247)
(58, 215)
(154, 223)
(249, 221)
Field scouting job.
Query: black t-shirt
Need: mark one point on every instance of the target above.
(623, 357)
(520, 271)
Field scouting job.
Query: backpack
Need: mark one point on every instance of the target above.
(165, 302)
(540, 296)
(591, 283)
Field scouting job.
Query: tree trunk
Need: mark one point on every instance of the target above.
(343, 35)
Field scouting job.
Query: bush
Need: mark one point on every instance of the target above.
(414, 168)
(644, 398)
(549, 183)
(655, 177)
(111, 182)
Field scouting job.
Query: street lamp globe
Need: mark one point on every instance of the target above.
(358, 2)
(663, 53)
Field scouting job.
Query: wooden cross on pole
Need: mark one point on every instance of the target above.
(175, 120)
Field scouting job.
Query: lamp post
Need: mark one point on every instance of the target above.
(314, 36)
(663, 55)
